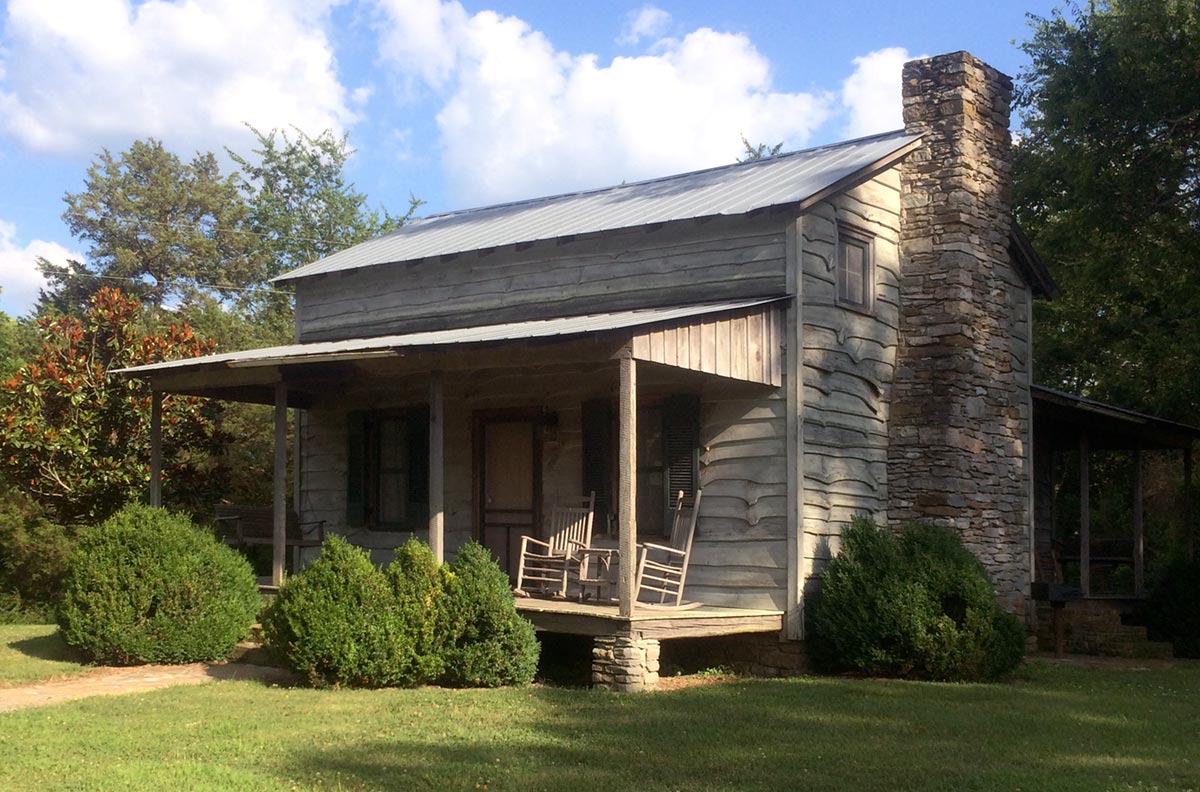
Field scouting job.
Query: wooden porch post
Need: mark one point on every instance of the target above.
(436, 467)
(1189, 529)
(156, 449)
(1139, 533)
(627, 483)
(279, 501)
(1085, 519)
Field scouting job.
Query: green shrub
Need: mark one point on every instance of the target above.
(1171, 610)
(418, 583)
(147, 586)
(33, 558)
(913, 605)
(335, 621)
(489, 643)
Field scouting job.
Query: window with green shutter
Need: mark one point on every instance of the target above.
(387, 469)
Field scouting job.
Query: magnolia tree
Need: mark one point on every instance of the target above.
(75, 437)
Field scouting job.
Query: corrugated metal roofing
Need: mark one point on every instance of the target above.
(358, 348)
(729, 190)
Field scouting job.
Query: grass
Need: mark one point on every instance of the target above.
(1054, 728)
(34, 652)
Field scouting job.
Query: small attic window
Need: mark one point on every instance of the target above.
(855, 269)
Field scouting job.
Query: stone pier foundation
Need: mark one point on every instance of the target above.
(625, 664)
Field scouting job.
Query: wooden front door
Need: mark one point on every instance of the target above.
(508, 484)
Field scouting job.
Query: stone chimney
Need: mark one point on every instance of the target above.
(959, 430)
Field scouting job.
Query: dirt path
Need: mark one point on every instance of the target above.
(137, 679)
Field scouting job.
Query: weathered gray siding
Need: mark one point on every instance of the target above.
(739, 556)
(675, 264)
(849, 362)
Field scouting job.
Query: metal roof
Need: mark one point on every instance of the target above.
(1045, 395)
(728, 190)
(382, 346)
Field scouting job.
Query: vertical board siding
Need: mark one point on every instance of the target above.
(722, 259)
(739, 348)
(849, 361)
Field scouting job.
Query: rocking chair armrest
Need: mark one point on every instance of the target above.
(664, 548)
(526, 540)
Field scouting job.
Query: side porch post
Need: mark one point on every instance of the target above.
(1085, 519)
(627, 483)
(436, 467)
(1139, 531)
(279, 499)
(156, 449)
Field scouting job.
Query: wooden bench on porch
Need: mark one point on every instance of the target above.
(240, 526)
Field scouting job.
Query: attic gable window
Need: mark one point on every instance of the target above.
(855, 269)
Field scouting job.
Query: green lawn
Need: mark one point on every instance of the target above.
(33, 652)
(1055, 728)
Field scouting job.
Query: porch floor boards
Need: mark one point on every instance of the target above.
(586, 618)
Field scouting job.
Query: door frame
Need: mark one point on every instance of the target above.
(538, 418)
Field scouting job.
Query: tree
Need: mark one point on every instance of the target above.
(300, 206)
(166, 228)
(74, 436)
(760, 152)
(1107, 184)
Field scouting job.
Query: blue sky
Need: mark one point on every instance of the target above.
(460, 103)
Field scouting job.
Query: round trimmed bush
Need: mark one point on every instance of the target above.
(335, 622)
(418, 583)
(1172, 608)
(147, 586)
(489, 643)
(917, 604)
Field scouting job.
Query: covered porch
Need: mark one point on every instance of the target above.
(1112, 493)
(474, 433)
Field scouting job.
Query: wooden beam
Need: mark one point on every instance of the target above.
(1139, 533)
(156, 447)
(793, 354)
(1085, 519)
(279, 500)
(627, 483)
(437, 490)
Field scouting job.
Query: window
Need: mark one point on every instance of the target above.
(668, 460)
(387, 469)
(855, 269)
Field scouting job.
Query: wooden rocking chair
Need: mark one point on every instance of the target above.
(544, 563)
(662, 570)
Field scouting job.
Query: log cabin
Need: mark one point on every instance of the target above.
(833, 332)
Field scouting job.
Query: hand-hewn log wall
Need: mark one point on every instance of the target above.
(689, 262)
(849, 361)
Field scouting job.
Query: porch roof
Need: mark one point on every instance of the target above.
(1107, 425)
(241, 375)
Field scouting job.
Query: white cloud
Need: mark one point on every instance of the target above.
(871, 93)
(647, 22)
(521, 118)
(78, 75)
(20, 279)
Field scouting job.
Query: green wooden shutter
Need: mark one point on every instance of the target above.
(356, 468)
(597, 417)
(681, 448)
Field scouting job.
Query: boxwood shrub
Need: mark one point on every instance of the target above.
(1171, 609)
(489, 643)
(344, 621)
(148, 586)
(914, 604)
(335, 622)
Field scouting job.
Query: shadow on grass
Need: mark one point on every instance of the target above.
(761, 735)
(50, 647)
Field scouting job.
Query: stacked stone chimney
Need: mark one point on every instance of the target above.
(960, 424)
